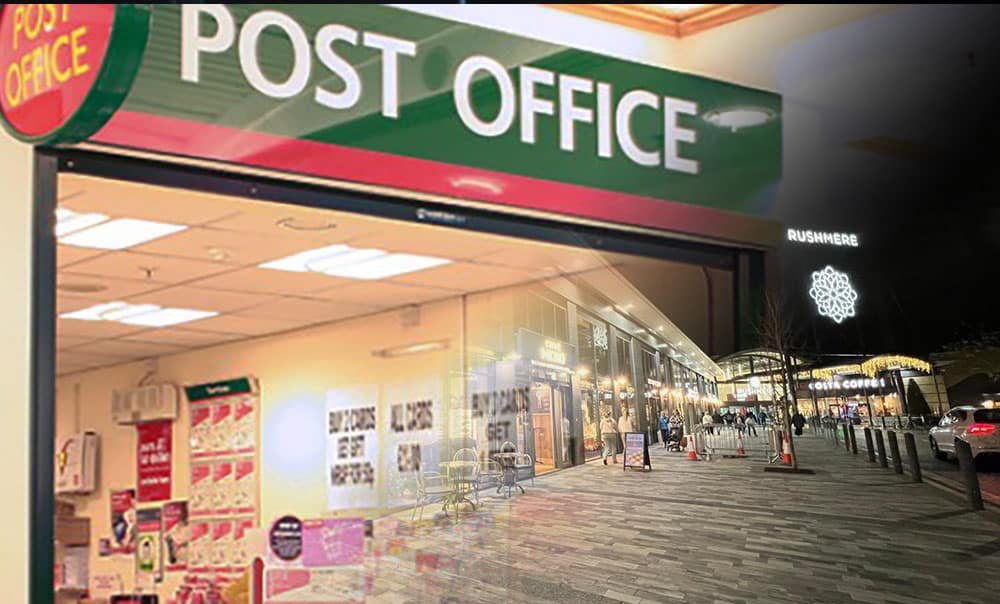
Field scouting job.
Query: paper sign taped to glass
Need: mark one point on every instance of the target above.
(352, 425)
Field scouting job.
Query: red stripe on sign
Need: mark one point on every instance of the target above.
(258, 149)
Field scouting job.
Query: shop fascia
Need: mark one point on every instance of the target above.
(523, 101)
(849, 384)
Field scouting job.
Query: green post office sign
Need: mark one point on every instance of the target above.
(386, 96)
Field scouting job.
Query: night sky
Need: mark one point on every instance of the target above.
(891, 130)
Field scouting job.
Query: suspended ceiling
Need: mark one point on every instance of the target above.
(213, 265)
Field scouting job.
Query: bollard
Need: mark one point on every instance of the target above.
(911, 452)
(897, 463)
(869, 445)
(854, 441)
(880, 443)
(967, 466)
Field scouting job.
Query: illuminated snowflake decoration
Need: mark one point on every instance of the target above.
(834, 296)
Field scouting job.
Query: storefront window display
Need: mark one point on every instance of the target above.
(652, 385)
(625, 391)
(594, 379)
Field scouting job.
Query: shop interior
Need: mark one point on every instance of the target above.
(276, 359)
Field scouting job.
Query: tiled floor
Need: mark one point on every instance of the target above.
(701, 532)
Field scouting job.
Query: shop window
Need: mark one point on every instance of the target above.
(562, 319)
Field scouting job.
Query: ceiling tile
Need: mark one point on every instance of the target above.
(122, 199)
(105, 289)
(159, 269)
(197, 298)
(383, 294)
(264, 280)
(303, 224)
(181, 337)
(248, 326)
(433, 241)
(64, 341)
(67, 255)
(227, 246)
(545, 260)
(91, 359)
(126, 348)
(462, 276)
(65, 304)
(311, 310)
(93, 329)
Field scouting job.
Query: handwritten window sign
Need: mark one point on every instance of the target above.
(352, 447)
(500, 410)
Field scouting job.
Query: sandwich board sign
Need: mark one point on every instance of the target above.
(636, 451)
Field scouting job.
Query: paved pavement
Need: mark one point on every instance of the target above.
(699, 532)
(945, 472)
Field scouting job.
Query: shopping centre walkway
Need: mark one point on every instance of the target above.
(709, 532)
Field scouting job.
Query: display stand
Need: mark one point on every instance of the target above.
(636, 452)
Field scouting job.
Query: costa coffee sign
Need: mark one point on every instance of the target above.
(67, 67)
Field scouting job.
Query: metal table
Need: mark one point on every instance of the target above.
(458, 473)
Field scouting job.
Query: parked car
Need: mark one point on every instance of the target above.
(977, 425)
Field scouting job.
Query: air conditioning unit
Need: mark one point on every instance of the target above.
(144, 404)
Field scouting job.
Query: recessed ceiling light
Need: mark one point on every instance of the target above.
(147, 315)
(120, 234)
(354, 263)
(736, 118)
(68, 221)
(294, 223)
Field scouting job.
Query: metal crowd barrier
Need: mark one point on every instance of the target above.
(713, 441)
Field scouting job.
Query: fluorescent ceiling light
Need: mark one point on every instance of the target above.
(300, 263)
(387, 266)
(94, 313)
(147, 315)
(165, 317)
(120, 234)
(354, 263)
(422, 347)
(68, 221)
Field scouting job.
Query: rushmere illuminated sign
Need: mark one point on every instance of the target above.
(823, 238)
(850, 384)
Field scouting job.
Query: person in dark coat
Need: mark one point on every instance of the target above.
(798, 420)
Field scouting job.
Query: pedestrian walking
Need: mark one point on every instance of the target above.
(677, 424)
(609, 435)
(707, 420)
(751, 424)
(798, 420)
(625, 424)
(664, 428)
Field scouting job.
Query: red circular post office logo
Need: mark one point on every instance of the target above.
(65, 68)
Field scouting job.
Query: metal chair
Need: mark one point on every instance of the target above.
(467, 479)
(431, 485)
(490, 473)
(524, 464)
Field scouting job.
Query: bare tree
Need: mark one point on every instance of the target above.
(778, 331)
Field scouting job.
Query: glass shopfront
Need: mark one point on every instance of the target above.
(593, 377)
